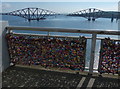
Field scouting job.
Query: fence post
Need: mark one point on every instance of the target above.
(92, 55)
(118, 39)
(48, 33)
(4, 55)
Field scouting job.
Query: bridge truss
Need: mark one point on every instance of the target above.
(31, 13)
(90, 13)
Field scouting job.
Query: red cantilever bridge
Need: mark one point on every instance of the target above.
(31, 13)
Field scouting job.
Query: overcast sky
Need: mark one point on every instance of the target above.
(60, 0)
(60, 7)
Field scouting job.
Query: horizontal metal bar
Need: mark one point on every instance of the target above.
(98, 38)
(108, 32)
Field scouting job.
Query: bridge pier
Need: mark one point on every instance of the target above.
(93, 19)
(89, 19)
(37, 19)
(29, 20)
(112, 19)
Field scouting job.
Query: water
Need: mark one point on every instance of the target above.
(65, 22)
(69, 22)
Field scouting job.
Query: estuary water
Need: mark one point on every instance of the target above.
(63, 21)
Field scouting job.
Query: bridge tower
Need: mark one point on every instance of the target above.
(93, 15)
(29, 15)
(89, 17)
(37, 14)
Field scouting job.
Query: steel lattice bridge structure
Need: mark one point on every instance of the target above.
(40, 14)
(93, 13)
(31, 13)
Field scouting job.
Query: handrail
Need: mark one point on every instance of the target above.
(108, 32)
(59, 36)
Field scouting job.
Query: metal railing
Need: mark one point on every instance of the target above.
(94, 37)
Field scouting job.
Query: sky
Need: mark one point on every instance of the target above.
(60, 0)
(60, 7)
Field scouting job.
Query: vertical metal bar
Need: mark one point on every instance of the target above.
(48, 33)
(118, 39)
(8, 31)
(92, 56)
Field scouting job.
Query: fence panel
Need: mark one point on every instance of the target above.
(68, 53)
(109, 56)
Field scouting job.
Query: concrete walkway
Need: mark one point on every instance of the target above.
(30, 77)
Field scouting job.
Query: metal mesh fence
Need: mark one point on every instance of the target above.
(109, 56)
(47, 51)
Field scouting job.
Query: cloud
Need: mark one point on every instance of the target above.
(0, 7)
(6, 6)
